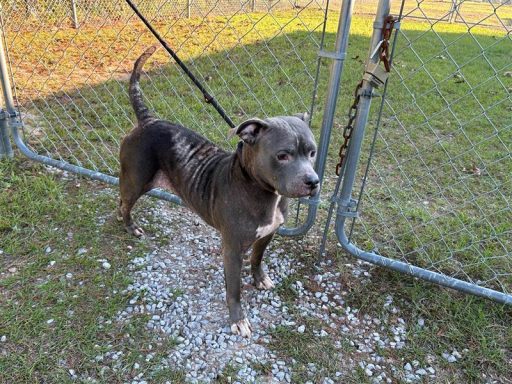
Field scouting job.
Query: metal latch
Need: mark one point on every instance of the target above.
(375, 74)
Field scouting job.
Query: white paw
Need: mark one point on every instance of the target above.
(266, 283)
(138, 232)
(135, 230)
(242, 328)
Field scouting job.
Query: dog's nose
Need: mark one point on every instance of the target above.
(312, 181)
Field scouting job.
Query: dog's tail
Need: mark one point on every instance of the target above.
(141, 110)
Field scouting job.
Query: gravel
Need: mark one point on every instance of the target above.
(179, 286)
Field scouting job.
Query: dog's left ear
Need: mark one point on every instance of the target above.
(303, 116)
(249, 130)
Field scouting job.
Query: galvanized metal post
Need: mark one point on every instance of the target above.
(366, 92)
(338, 57)
(188, 8)
(5, 144)
(9, 109)
(74, 15)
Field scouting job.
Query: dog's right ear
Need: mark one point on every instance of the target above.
(249, 130)
(303, 116)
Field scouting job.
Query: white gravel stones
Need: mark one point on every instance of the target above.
(451, 357)
(3, 339)
(180, 287)
(106, 265)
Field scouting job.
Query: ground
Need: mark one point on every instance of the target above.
(82, 301)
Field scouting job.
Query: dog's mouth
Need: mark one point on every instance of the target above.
(314, 191)
(307, 192)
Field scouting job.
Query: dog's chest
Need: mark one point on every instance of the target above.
(277, 219)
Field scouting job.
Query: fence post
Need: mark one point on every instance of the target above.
(188, 8)
(9, 111)
(453, 11)
(345, 202)
(334, 83)
(338, 57)
(253, 5)
(74, 15)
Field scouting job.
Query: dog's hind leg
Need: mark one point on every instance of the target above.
(132, 185)
(126, 204)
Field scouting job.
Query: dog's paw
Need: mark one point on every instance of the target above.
(265, 283)
(242, 328)
(135, 230)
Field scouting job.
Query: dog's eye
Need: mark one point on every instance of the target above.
(312, 154)
(283, 157)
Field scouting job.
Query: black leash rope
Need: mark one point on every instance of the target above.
(207, 97)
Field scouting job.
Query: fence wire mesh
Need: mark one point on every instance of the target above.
(71, 83)
(439, 187)
(72, 13)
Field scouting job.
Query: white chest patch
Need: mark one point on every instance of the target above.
(277, 220)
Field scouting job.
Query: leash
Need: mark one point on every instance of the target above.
(209, 99)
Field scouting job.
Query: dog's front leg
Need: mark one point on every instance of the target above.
(232, 270)
(261, 279)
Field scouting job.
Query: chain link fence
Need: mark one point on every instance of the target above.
(70, 83)
(30, 14)
(437, 191)
(27, 14)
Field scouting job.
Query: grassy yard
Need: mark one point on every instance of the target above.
(439, 192)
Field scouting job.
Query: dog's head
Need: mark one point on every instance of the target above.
(281, 153)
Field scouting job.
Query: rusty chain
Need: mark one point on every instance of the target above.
(347, 131)
(389, 24)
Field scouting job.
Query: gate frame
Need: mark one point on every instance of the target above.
(347, 206)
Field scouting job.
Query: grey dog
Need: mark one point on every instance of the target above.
(242, 194)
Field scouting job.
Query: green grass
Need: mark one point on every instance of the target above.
(45, 226)
(306, 348)
(423, 204)
(478, 327)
